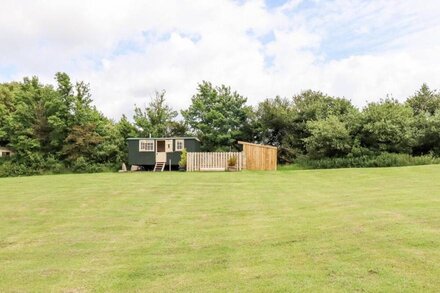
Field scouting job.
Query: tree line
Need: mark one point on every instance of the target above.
(57, 128)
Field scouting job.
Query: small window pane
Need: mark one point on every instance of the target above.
(146, 146)
(179, 145)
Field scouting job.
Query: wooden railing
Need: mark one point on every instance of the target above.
(212, 161)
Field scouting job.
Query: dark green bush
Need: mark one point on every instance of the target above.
(367, 161)
(81, 165)
(10, 167)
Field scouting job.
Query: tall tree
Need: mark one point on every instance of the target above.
(425, 101)
(217, 116)
(125, 130)
(274, 123)
(28, 128)
(157, 119)
(387, 126)
(329, 137)
(283, 122)
(8, 91)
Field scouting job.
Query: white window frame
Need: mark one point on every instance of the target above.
(169, 142)
(146, 145)
(182, 141)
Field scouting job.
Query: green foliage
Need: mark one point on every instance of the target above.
(427, 134)
(424, 101)
(232, 161)
(156, 120)
(387, 126)
(329, 137)
(217, 116)
(81, 141)
(284, 122)
(34, 165)
(365, 161)
(274, 123)
(49, 128)
(183, 158)
(124, 129)
(56, 129)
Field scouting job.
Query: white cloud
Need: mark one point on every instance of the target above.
(128, 49)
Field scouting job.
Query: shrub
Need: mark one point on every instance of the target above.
(232, 161)
(367, 161)
(387, 126)
(81, 165)
(328, 138)
(9, 169)
(183, 158)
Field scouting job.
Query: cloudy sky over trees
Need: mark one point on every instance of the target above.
(128, 49)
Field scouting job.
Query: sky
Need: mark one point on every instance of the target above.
(127, 50)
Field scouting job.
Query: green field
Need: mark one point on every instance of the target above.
(329, 230)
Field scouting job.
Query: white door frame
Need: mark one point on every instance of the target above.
(161, 156)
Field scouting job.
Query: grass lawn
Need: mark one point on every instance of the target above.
(318, 230)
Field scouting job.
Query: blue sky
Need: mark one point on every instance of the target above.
(126, 50)
(275, 3)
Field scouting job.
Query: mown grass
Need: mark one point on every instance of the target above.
(319, 230)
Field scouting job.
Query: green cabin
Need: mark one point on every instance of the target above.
(147, 152)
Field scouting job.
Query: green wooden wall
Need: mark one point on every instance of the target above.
(149, 158)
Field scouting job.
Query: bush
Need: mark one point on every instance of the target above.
(232, 161)
(39, 165)
(81, 165)
(367, 161)
(387, 126)
(328, 138)
(36, 165)
(183, 159)
(54, 166)
(9, 169)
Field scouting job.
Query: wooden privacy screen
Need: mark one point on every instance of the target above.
(259, 157)
(212, 161)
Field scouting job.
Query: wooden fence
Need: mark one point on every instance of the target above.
(212, 161)
(259, 157)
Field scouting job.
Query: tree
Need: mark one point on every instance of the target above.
(424, 101)
(425, 104)
(46, 124)
(274, 124)
(313, 105)
(82, 141)
(8, 91)
(329, 137)
(27, 126)
(283, 122)
(426, 134)
(217, 116)
(157, 119)
(125, 130)
(387, 126)
(90, 135)
(177, 128)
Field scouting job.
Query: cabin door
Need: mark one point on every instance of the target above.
(161, 155)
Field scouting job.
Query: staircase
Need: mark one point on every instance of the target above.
(159, 167)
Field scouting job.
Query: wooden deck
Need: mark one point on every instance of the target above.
(217, 161)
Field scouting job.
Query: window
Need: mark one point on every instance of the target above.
(146, 145)
(6, 154)
(169, 146)
(179, 145)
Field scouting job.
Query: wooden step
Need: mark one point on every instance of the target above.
(159, 167)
